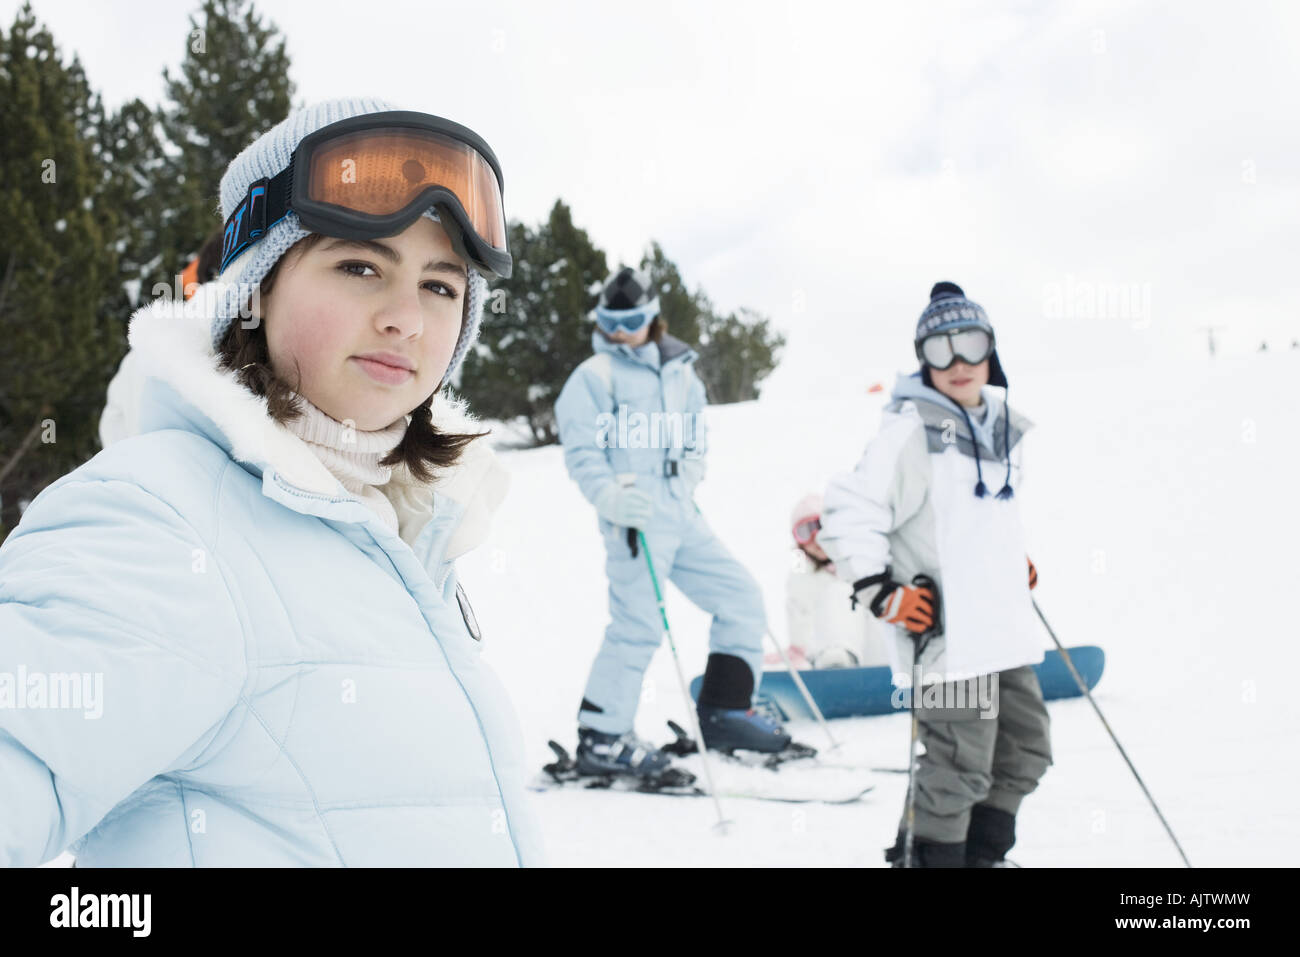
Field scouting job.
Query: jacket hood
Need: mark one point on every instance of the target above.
(174, 376)
(946, 425)
(911, 387)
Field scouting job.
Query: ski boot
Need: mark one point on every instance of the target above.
(927, 853)
(620, 754)
(729, 722)
(745, 729)
(989, 836)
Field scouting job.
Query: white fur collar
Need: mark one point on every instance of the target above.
(172, 343)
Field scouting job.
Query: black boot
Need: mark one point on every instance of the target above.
(991, 833)
(928, 853)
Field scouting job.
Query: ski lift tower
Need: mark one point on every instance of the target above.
(1210, 331)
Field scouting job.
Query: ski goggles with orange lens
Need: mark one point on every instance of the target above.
(806, 529)
(940, 350)
(371, 176)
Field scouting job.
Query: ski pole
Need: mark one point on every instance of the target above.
(909, 814)
(923, 639)
(1083, 686)
(681, 681)
(803, 690)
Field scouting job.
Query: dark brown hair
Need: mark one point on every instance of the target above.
(210, 256)
(244, 351)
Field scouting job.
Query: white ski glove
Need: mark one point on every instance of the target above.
(627, 506)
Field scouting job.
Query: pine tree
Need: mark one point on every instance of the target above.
(233, 86)
(133, 159)
(536, 328)
(737, 352)
(681, 309)
(57, 267)
(534, 331)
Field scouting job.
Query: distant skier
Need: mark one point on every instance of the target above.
(634, 441)
(917, 503)
(824, 631)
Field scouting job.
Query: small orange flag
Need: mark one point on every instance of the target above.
(190, 277)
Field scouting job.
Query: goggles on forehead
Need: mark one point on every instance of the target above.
(940, 350)
(806, 529)
(626, 320)
(371, 176)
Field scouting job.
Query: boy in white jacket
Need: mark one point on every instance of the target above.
(917, 505)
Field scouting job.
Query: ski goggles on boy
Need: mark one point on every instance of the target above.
(371, 176)
(625, 320)
(941, 349)
(806, 529)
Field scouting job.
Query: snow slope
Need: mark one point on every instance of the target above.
(1160, 515)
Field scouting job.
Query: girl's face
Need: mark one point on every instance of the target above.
(961, 382)
(370, 324)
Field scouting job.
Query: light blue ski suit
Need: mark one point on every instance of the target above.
(635, 415)
(278, 678)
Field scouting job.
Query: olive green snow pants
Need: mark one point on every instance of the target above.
(973, 760)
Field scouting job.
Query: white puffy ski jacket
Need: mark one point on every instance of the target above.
(910, 507)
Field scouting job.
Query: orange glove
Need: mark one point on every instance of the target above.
(1033, 573)
(907, 605)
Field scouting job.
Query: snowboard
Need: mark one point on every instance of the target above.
(861, 692)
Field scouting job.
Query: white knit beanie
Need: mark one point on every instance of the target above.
(265, 157)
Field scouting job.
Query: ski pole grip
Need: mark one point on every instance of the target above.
(925, 581)
(625, 480)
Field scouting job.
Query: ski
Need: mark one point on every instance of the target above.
(563, 774)
(794, 774)
(683, 744)
(781, 799)
(621, 786)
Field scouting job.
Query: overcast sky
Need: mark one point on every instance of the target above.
(1105, 178)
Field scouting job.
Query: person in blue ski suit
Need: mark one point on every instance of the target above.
(237, 638)
(631, 421)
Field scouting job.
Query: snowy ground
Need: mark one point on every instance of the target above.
(1160, 516)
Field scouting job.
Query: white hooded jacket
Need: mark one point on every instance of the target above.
(910, 507)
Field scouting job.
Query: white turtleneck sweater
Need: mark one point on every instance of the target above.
(351, 455)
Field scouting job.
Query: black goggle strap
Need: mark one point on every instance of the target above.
(266, 204)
